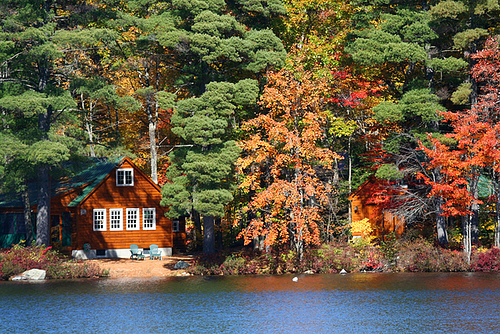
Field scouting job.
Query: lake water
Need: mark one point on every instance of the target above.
(352, 303)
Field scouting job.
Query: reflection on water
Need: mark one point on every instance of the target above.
(354, 303)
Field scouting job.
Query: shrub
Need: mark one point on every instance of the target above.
(21, 258)
(420, 255)
(487, 261)
(451, 261)
(390, 248)
(415, 256)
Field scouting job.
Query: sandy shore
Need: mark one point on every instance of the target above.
(145, 268)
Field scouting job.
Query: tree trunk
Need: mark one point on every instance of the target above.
(218, 234)
(497, 207)
(196, 233)
(467, 240)
(474, 217)
(258, 243)
(43, 205)
(89, 118)
(152, 120)
(43, 212)
(89, 128)
(497, 226)
(442, 234)
(208, 235)
(28, 223)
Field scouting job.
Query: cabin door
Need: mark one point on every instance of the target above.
(66, 229)
(60, 229)
(55, 230)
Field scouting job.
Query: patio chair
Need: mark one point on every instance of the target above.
(154, 252)
(136, 253)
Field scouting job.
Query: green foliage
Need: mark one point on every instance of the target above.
(387, 111)
(212, 40)
(417, 103)
(487, 7)
(450, 64)
(462, 94)
(411, 25)
(373, 47)
(389, 172)
(423, 103)
(47, 152)
(389, 248)
(89, 37)
(448, 9)
(463, 40)
(399, 38)
(201, 174)
(341, 127)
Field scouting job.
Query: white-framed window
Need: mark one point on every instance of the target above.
(133, 219)
(125, 177)
(175, 226)
(149, 219)
(99, 219)
(116, 219)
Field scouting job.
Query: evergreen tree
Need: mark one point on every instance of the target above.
(222, 50)
(33, 86)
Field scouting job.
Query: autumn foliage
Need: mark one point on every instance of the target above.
(475, 141)
(283, 157)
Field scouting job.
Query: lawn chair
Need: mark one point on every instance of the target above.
(154, 252)
(136, 253)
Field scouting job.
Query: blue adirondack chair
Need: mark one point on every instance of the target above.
(154, 252)
(136, 253)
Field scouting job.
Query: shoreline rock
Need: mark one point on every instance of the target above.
(31, 275)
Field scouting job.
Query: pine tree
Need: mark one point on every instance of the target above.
(222, 49)
(34, 84)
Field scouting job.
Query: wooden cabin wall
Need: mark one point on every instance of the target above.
(382, 224)
(143, 194)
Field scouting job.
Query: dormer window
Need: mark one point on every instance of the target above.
(125, 177)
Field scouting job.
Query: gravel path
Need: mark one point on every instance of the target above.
(145, 268)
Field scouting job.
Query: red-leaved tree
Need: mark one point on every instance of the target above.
(474, 147)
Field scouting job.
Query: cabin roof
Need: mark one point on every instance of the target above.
(93, 177)
(90, 173)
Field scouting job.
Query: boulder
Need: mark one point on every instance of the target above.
(181, 265)
(31, 275)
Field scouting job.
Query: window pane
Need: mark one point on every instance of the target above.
(128, 177)
(121, 176)
(149, 222)
(125, 177)
(115, 219)
(132, 219)
(99, 220)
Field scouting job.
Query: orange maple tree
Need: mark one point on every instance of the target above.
(281, 160)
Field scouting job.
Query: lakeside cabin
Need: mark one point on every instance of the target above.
(363, 206)
(99, 213)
